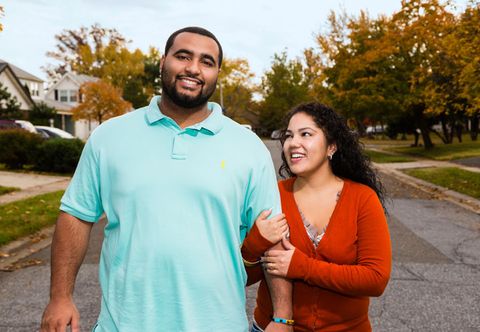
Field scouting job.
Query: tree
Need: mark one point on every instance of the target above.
(467, 48)
(352, 69)
(101, 101)
(140, 88)
(1, 15)
(9, 106)
(283, 87)
(103, 53)
(41, 114)
(83, 51)
(235, 89)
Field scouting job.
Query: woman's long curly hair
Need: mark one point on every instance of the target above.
(349, 161)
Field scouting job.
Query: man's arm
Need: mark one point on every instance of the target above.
(281, 295)
(69, 245)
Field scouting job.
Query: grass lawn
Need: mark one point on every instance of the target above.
(6, 190)
(459, 180)
(381, 157)
(27, 216)
(443, 151)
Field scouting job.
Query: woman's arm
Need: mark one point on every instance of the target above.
(264, 234)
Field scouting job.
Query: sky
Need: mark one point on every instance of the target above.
(250, 29)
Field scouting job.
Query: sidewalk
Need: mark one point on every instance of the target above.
(30, 185)
(395, 169)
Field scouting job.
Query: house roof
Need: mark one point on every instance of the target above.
(20, 73)
(59, 106)
(81, 78)
(77, 78)
(6, 67)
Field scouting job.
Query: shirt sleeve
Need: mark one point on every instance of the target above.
(262, 191)
(370, 275)
(82, 197)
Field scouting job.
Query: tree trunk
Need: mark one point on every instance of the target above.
(423, 125)
(474, 126)
(446, 138)
(360, 127)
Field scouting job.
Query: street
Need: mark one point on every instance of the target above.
(434, 284)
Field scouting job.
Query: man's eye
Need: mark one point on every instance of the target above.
(182, 57)
(208, 63)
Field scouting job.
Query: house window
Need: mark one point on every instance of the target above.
(73, 96)
(34, 89)
(68, 96)
(63, 94)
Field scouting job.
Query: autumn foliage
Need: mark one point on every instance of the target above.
(100, 101)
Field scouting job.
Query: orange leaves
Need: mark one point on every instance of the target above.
(100, 101)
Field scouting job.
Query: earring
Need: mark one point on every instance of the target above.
(330, 156)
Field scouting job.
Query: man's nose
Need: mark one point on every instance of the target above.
(193, 67)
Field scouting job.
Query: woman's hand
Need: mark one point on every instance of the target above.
(276, 262)
(273, 229)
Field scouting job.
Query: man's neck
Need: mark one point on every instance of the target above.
(184, 117)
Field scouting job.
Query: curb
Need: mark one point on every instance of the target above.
(16, 250)
(464, 201)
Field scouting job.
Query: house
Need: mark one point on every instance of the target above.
(19, 87)
(64, 95)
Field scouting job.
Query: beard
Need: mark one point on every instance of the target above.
(169, 90)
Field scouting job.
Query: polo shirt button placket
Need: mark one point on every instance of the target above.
(179, 148)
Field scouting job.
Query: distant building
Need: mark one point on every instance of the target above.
(18, 86)
(64, 95)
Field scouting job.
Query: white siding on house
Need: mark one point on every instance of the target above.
(14, 89)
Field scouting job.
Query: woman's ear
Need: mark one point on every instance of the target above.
(332, 148)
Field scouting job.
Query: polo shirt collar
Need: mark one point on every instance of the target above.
(213, 123)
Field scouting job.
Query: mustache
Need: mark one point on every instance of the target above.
(192, 77)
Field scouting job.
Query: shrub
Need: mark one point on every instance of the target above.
(18, 147)
(59, 155)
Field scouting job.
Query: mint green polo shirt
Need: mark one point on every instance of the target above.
(179, 203)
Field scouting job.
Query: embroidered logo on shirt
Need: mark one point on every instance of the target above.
(222, 164)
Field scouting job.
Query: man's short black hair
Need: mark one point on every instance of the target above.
(199, 31)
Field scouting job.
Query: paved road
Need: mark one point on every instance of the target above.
(434, 284)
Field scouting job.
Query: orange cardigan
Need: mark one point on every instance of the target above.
(332, 283)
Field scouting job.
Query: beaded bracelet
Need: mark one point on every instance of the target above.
(289, 322)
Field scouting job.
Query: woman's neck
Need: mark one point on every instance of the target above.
(317, 181)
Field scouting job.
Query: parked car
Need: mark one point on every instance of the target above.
(276, 134)
(9, 124)
(378, 129)
(53, 132)
(27, 125)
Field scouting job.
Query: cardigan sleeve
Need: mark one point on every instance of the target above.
(253, 248)
(370, 275)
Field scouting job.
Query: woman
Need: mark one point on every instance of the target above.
(338, 253)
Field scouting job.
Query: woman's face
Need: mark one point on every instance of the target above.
(305, 147)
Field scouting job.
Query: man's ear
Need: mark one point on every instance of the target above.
(162, 60)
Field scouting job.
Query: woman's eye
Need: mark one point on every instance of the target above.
(305, 134)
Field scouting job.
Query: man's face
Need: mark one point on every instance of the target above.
(190, 70)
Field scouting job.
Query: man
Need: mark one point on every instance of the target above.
(180, 185)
